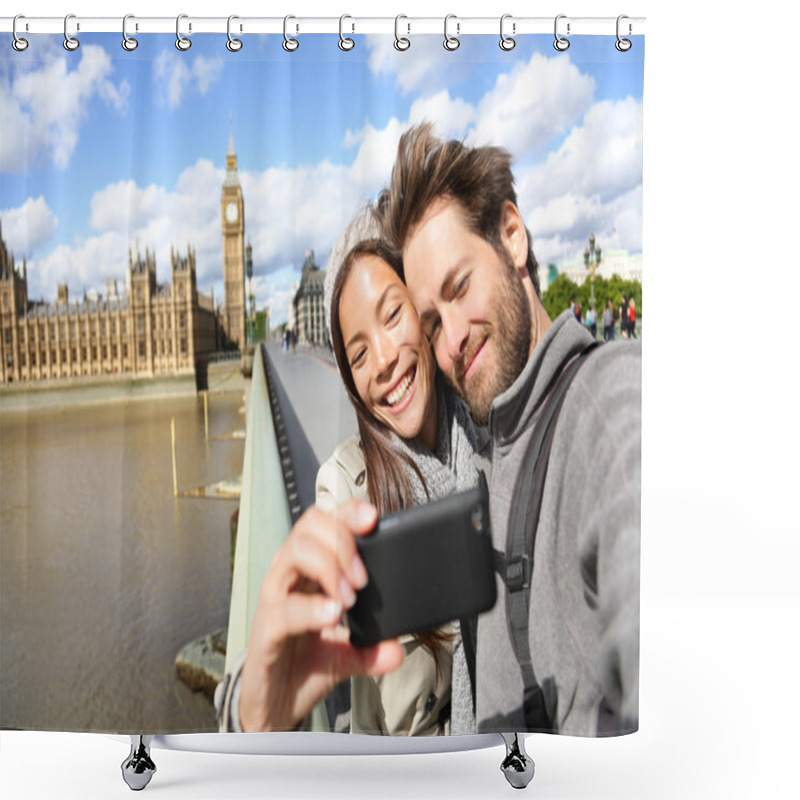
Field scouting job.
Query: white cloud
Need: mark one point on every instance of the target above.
(616, 224)
(428, 65)
(128, 217)
(451, 116)
(29, 226)
(116, 95)
(45, 107)
(373, 163)
(84, 264)
(626, 214)
(352, 138)
(276, 291)
(601, 156)
(123, 206)
(409, 73)
(532, 103)
(593, 182)
(175, 77)
(567, 213)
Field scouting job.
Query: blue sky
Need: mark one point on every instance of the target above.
(103, 149)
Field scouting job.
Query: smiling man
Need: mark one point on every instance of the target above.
(561, 653)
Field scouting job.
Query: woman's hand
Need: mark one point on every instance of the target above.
(298, 651)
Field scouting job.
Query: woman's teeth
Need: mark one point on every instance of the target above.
(401, 391)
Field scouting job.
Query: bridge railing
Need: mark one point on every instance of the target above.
(221, 355)
(265, 517)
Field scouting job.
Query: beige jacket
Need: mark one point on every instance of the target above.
(410, 700)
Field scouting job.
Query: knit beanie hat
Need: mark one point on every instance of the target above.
(362, 227)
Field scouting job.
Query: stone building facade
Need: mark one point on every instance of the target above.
(309, 310)
(614, 262)
(147, 331)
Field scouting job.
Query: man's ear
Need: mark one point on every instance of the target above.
(513, 234)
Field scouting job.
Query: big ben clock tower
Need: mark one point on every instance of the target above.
(232, 207)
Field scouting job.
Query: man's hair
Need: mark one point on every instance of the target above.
(426, 168)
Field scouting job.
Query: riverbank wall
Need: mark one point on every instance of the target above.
(101, 389)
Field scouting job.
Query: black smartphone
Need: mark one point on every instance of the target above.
(427, 565)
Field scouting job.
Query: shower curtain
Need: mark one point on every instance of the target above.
(169, 385)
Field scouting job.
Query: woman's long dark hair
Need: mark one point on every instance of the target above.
(389, 486)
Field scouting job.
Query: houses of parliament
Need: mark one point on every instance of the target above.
(147, 330)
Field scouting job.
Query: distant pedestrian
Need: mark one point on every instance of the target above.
(632, 319)
(591, 320)
(608, 322)
(623, 317)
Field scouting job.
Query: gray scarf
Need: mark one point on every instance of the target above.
(450, 468)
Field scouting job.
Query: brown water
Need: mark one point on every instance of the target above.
(104, 575)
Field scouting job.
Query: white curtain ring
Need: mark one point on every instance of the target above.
(233, 44)
(507, 42)
(561, 43)
(19, 44)
(289, 44)
(128, 42)
(401, 43)
(181, 42)
(450, 42)
(623, 45)
(345, 43)
(70, 42)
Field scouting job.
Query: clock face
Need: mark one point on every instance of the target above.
(231, 212)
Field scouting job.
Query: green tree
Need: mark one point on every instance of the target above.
(558, 295)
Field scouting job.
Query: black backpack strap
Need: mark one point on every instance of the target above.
(468, 626)
(468, 642)
(517, 569)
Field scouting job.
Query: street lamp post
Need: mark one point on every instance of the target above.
(591, 258)
(251, 316)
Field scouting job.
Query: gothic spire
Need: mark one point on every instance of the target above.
(231, 154)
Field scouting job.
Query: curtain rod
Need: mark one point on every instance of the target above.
(406, 25)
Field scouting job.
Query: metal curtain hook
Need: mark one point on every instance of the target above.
(401, 43)
(181, 42)
(345, 43)
(128, 42)
(561, 43)
(451, 42)
(233, 44)
(289, 44)
(70, 42)
(506, 42)
(623, 45)
(19, 44)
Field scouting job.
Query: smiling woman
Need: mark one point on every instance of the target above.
(388, 356)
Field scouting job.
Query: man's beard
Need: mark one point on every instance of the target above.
(509, 327)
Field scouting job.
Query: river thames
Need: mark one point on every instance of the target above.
(104, 574)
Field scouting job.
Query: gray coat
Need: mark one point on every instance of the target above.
(584, 603)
